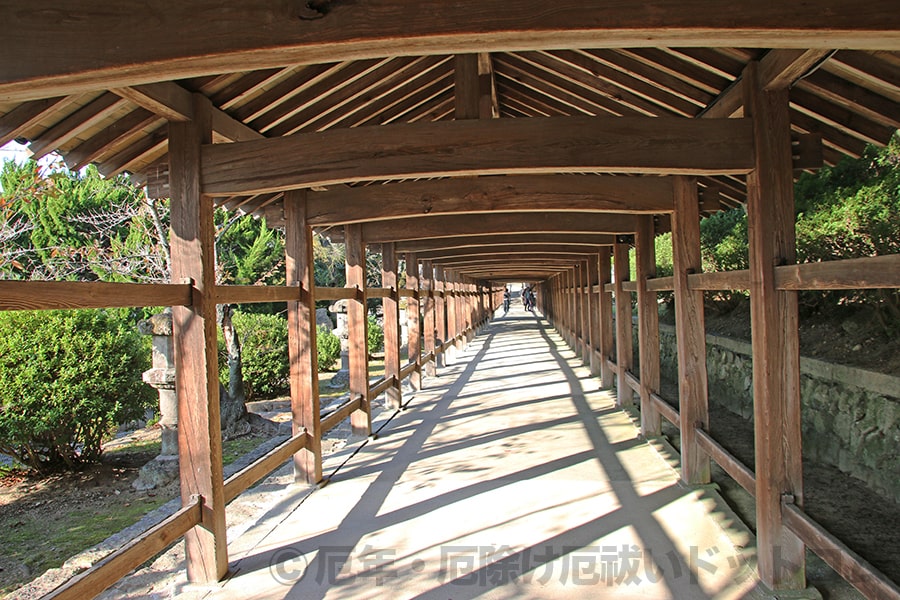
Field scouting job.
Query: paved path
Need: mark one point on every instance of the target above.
(511, 476)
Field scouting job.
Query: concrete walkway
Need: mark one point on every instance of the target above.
(511, 476)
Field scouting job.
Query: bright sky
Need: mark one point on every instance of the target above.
(14, 151)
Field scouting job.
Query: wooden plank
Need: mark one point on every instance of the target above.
(633, 382)
(648, 326)
(848, 564)
(302, 331)
(408, 369)
(690, 332)
(666, 410)
(25, 116)
(357, 324)
(871, 272)
(82, 119)
(391, 311)
(52, 295)
(264, 465)
(624, 343)
(196, 355)
(630, 286)
(775, 337)
(325, 293)
(129, 126)
(248, 294)
(384, 384)
(378, 292)
(483, 147)
(735, 468)
(111, 568)
(208, 38)
(513, 193)
(661, 284)
(333, 418)
(413, 311)
(719, 280)
(488, 251)
(498, 223)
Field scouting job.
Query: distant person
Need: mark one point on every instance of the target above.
(506, 300)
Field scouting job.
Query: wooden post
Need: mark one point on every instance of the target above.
(414, 341)
(648, 325)
(690, 330)
(576, 311)
(196, 360)
(391, 310)
(357, 324)
(301, 316)
(571, 309)
(584, 316)
(595, 358)
(430, 323)
(440, 312)
(605, 312)
(624, 342)
(774, 328)
(459, 319)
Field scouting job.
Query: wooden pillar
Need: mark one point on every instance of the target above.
(196, 361)
(414, 341)
(584, 316)
(648, 325)
(391, 311)
(775, 337)
(357, 324)
(593, 279)
(301, 317)
(605, 312)
(459, 319)
(570, 308)
(624, 342)
(430, 324)
(440, 313)
(690, 330)
(576, 311)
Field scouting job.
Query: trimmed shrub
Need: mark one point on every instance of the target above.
(264, 354)
(66, 379)
(328, 348)
(374, 336)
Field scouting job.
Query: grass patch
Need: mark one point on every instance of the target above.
(235, 448)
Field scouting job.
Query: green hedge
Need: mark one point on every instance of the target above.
(67, 378)
(328, 348)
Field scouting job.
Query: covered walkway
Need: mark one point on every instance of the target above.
(512, 475)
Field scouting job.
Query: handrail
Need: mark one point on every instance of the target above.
(53, 295)
(738, 471)
(847, 563)
(343, 411)
(119, 563)
(264, 465)
(666, 410)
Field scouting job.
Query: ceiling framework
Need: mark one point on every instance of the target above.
(484, 132)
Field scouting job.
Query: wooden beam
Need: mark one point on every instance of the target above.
(357, 324)
(391, 311)
(25, 116)
(301, 317)
(513, 193)
(648, 326)
(477, 147)
(466, 86)
(181, 40)
(505, 239)
(196, 356)
(173, 102)
(52, 295)
(497, 223)
(871, 272)
(82, 119)
(488, 251)
(488, 99)
(264, 465)
(778, 69)
(690, 332)
(775, 337)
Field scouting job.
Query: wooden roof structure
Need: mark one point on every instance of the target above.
(100, 85)
(488, 141)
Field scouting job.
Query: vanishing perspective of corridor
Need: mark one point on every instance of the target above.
(510, 476)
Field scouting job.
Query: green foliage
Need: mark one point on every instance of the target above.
(264, 353)
(328, 348)
(66, 379)
(374, 336)
(723, 241)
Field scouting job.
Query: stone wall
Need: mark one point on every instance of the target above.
(851, 417)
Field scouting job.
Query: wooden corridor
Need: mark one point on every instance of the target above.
(456, 499)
